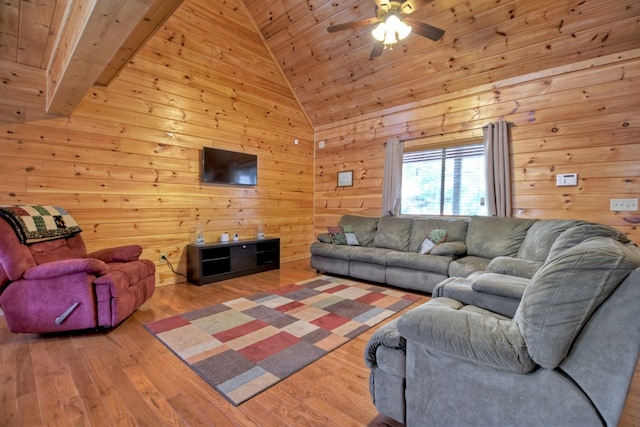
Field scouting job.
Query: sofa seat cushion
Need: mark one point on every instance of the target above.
(460, 289)
(370, 255)
(393, 233)
(465, 266)
(467, 332)
(363, 227)
(490, 237)
(514, 266)
(500, 284)
(432, 263)
(564, 293)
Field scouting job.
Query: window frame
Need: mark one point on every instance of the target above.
(475, 145)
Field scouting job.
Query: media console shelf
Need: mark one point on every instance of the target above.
(221, 261)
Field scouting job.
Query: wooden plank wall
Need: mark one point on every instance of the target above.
(126, 163)
(582, 118)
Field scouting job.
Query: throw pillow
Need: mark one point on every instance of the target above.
(352, 240)
(337, 235)
(434, 238)
(426, 246)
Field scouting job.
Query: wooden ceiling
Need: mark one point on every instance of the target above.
(53, 51)
(331, 73)
(485, 41)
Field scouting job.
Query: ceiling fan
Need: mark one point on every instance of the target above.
(393, 24)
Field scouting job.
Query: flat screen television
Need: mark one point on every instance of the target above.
(229, 167)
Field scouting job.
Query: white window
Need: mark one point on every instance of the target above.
(444, 181)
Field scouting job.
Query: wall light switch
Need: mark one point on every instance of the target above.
(566, 179)
(624, 205)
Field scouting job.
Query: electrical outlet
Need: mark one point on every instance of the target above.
(624, 205)
(163, 257)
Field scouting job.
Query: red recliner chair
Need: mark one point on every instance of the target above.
(48, 282)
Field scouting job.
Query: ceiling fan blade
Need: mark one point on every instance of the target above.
(354, 24)
(410, 6)
(425, 30)
(378, 47)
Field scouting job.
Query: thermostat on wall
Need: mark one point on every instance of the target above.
(566, 179)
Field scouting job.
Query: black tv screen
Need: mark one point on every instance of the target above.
(229, 167)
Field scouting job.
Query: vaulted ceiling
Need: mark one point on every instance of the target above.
(331, 73)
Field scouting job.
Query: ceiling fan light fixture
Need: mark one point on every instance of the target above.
(391, 30)
(379, 32)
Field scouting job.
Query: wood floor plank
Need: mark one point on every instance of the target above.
(127, 377)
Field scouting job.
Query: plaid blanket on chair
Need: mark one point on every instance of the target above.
(35, 223)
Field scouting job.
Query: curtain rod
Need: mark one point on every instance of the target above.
(511, 124)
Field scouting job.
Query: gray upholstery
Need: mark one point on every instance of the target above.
(498, 293)
(393, 233)
(389, 251)
(500, 285)
(488, 339)
(540, 237)
(456, 230)
(489, 236)
(514, 266)
(565, 292)
(582, 232)
(466, 265)
(566, 358)
(364, 227)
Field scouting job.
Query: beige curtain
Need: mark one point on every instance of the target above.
(392, 182)
(497, 140)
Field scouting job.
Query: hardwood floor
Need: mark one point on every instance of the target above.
(125, 377)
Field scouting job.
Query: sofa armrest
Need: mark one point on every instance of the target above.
(500, 284)
(450, 249)
(387, 336)
(66, 267)
(469, 333)
(125, 253)
(324, 238)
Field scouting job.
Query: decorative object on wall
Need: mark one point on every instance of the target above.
(345, 179)
(244, 346)
(393, 25)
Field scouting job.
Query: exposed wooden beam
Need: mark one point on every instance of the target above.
(92, 35)
(155, 17)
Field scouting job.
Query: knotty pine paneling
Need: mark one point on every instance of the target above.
(126, 162)
(579, 118)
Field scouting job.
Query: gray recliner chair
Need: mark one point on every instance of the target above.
(566, 358)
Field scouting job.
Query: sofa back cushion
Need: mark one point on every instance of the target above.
(393, 233)
(364, 227)
(490, 236)
(540, 237)
(456, 230)
(581, 232)
(59, 249)
(567, 289)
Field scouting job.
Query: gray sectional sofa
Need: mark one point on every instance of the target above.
(532, 322)
(388, 250)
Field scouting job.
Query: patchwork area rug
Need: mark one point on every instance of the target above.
(244, 346)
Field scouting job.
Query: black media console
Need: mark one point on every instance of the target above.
(221, 261)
